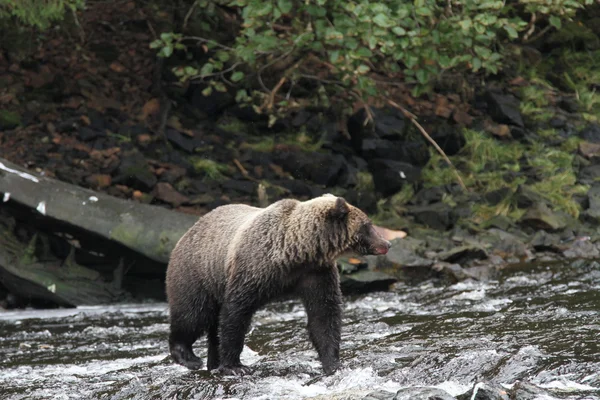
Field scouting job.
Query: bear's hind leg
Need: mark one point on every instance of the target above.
(186, 328)
(213, 347)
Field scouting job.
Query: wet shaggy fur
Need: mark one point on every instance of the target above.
(237, 258)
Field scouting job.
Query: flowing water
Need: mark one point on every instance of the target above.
(536, 323)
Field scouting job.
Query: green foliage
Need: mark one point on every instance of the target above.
(354, 49)
(36, 13)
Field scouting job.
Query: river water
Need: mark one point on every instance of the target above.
(535, 323)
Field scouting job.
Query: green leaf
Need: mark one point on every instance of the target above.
(241, 95)
(423, 11)
(156, 44)
(285, 6)
(207, 91)
(476, 64)
(334, 56)
(166, 51)
(421, 76)
(237, 76)
(364, 52)
(399, 31)
(362, 69)
(222, 55)
(512, 32)
(206, 69)
(465, 24)
(555, 21)
(166, 36)
(219, 86)
(383, 20)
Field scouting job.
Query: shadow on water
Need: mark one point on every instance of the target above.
(539, 324)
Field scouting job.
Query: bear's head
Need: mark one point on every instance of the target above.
(348, 229)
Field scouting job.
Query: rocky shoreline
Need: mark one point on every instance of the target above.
(528, 154)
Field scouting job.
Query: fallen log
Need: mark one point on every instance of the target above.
(150, 230)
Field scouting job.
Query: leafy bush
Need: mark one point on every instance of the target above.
(356, 49)
(36, 13)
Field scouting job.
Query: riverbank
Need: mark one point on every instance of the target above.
(525, 143)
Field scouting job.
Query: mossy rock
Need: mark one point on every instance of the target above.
(9, 120)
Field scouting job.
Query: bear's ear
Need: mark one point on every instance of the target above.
(341, 209)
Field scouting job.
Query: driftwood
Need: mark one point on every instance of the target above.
(127, 233)
(149, 230)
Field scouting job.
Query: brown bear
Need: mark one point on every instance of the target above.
(237, 258)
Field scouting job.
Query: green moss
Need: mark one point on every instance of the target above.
(365, 182)
(402, 197)
(232, 125)
(9, 119)
(209, 168)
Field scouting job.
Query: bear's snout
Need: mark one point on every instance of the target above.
(383, 248)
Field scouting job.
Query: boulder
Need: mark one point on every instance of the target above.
(504, 108)
(591, 133)
(485, 391)
(320, 168)
(364, 281)
(539, 216)
(437, 216)
(415, 153)
(390, 176)
(423, 393)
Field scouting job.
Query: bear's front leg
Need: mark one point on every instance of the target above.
(322, 298)
(235, 319)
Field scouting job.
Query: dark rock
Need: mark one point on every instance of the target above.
(296, 187)
(544, 241)
(427, 196)
(453, 272)
(539, 216)
(349, 176)
(212, 104)
(135, 172)
(415, 153)
(517, 132)
(388, 123)
(507, 245)
(86, 134)
(167, 193)
(569, 104)
(528, 391)
(422, 393)
(347, 267)
(525, 197)
(589, 175)
(106, 51)
(449, 137)
(201, 199)
(463, 254)
(499, 221)
(437, 216)
(173, 174)
(185, 143)
(320, 168)
(246, 187)
(590, 151)
(591, 133)
(496, 196)
(366, 200)
(592, 213)
(485, 391)
(365, 281)
(582, 248)
(404, 253)
(504, 109)
(390, 176)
